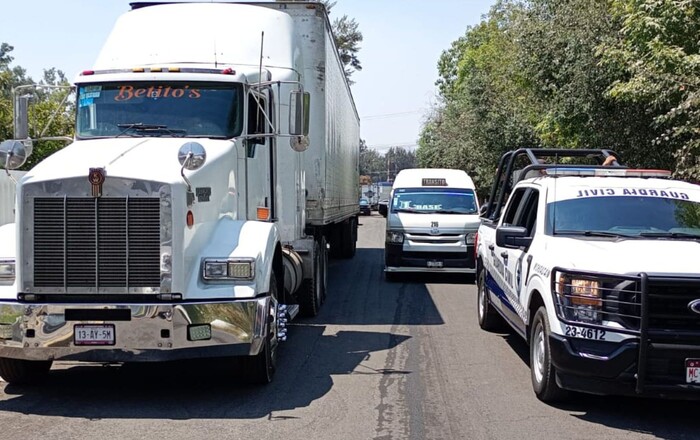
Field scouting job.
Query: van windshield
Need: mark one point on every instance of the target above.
(637, 216)
(434, 200)
(178, 109)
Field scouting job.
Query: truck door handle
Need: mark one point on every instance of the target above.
(491, 247)
(504, 254)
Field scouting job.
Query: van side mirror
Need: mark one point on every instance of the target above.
(299, 113)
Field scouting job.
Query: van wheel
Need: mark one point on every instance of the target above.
(261, 367)
(489, 319)
(23, 372)
(542, 371)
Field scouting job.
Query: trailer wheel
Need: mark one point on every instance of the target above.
(313, 289)
(261, 367)
(349, 238)
(542, 370)
(489, 319)
(23, 372)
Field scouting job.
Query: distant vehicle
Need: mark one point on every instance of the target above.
(365, 207)
(432, 219)
(371, 193)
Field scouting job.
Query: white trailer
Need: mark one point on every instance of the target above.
(215, 156)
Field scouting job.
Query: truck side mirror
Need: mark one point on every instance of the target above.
(13, 154)
(512, 237)
(299, 107)
(21, 119)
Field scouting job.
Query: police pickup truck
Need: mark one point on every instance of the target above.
(597, 268)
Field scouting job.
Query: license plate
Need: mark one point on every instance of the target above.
(93, 334)
(434, 263)
(692, 371)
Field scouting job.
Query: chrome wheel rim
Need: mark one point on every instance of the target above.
(482, 300)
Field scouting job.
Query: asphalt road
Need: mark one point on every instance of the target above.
(402, 360)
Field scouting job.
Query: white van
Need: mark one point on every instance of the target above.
(432, 218)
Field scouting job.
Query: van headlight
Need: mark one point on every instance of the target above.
(7, 272)
(228, 269)
(394, 237)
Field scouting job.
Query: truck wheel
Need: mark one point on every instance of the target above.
(349, 238)
(489, 319)
(542, 371)
(23, 372)
(312, 291)
(261, 367)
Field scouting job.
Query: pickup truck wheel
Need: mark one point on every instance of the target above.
(312, 291)
(261, 367)
(489, 319)
(23, 372)
(542, 371)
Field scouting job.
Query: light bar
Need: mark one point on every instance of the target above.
(603, 172)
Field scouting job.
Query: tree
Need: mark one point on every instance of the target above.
(659, 52)
(347, 38)
(50, 114)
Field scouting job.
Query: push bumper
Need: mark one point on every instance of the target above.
(142, 332)
(609, 368)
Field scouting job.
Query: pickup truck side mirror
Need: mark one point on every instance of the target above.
(482, 209)
(383, 209)
(512, 237)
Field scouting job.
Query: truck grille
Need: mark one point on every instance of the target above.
(96, 242)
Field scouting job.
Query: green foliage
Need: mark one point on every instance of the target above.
(50, 114)
(618, 74)
(659, 52)
(382, 167)
(347, 37)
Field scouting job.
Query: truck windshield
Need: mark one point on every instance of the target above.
(434, 200)
(182, 109)
(638, 216)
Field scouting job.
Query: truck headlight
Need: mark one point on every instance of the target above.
(579, 298)
(7, 272)
(394, 237)
(229, 269)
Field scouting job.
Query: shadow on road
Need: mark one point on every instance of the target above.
(203, 389)
(358, 294)
(667, 419)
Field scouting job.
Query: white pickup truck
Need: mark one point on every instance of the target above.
(597, 268)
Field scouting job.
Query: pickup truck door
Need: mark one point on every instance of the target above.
(516, 261)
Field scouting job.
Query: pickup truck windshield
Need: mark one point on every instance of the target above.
(177, 109)
(434, 200)
(638, 216)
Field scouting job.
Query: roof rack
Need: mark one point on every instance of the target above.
(504, 180)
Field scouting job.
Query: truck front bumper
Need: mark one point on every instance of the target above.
(142, 332)
(610, 368)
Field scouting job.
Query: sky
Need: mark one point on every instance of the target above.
(394, 92)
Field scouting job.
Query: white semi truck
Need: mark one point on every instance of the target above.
(214, 164)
